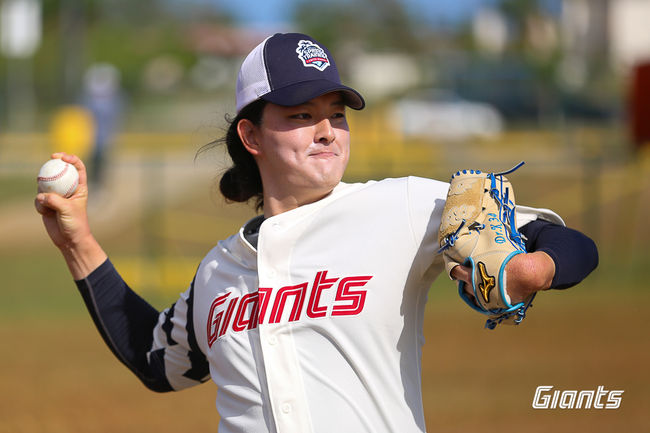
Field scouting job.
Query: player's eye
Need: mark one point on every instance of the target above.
(301, 116)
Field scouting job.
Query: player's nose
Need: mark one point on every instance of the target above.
(324, 132)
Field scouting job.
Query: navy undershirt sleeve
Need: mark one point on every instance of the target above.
(125, 322)
(575, 255)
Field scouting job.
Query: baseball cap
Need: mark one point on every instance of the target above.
(290, 69)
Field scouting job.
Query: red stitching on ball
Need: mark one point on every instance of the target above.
(55, 177)
(71, 189)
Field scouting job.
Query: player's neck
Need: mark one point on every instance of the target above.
(275, 204)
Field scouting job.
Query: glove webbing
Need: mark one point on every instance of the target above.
(505, 207)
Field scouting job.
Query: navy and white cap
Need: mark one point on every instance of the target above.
(290, 69)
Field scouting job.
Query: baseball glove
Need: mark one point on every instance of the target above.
(479, 230)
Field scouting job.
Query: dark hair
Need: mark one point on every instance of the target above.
(242, 181)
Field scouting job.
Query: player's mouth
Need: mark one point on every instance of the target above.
(323, 154)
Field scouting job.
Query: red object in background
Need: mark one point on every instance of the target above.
(640, 105)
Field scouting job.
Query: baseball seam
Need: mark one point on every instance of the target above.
(55, 177)
(72, 188)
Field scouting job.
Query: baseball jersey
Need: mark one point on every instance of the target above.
(319, 328)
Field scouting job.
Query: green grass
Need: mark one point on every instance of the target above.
(16, 187)
(39, 287)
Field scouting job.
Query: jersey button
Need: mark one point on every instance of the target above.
(286, 408)
(273, 340)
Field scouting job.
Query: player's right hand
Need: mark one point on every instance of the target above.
(66, 219)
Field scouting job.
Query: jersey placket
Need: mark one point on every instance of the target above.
(283, 375)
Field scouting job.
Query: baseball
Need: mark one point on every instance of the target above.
(59, 177)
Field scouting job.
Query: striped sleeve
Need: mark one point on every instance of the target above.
(175, 347)
(159, 348)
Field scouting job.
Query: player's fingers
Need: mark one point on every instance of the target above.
(40, 208)
(77, 162)
(462, 273)
(49, 201)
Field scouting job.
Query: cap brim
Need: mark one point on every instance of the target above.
(299, 93)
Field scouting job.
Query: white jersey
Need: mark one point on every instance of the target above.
(319, 328)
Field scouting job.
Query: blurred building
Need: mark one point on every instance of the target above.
(440, 114)
(630, 38)
(614, 32)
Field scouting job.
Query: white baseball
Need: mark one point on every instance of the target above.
(59, 177)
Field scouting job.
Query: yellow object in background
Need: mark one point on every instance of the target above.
(72, 131)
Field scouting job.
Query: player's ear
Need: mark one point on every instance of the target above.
(248, 135)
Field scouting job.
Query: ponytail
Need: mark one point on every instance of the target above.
(242, 181)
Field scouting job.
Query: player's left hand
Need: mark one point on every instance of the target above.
(525, 274)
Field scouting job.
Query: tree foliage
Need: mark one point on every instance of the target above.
(379, 25)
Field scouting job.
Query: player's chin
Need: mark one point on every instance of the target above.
(326, 160)
(327, 164)
(326, 180)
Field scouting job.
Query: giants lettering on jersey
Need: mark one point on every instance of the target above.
(248, 311)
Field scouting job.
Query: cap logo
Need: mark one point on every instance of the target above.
(312, 55)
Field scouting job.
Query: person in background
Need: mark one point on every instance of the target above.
(102, 96)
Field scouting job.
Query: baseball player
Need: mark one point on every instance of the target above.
(309, 319)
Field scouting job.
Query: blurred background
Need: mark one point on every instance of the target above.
(137, 89)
